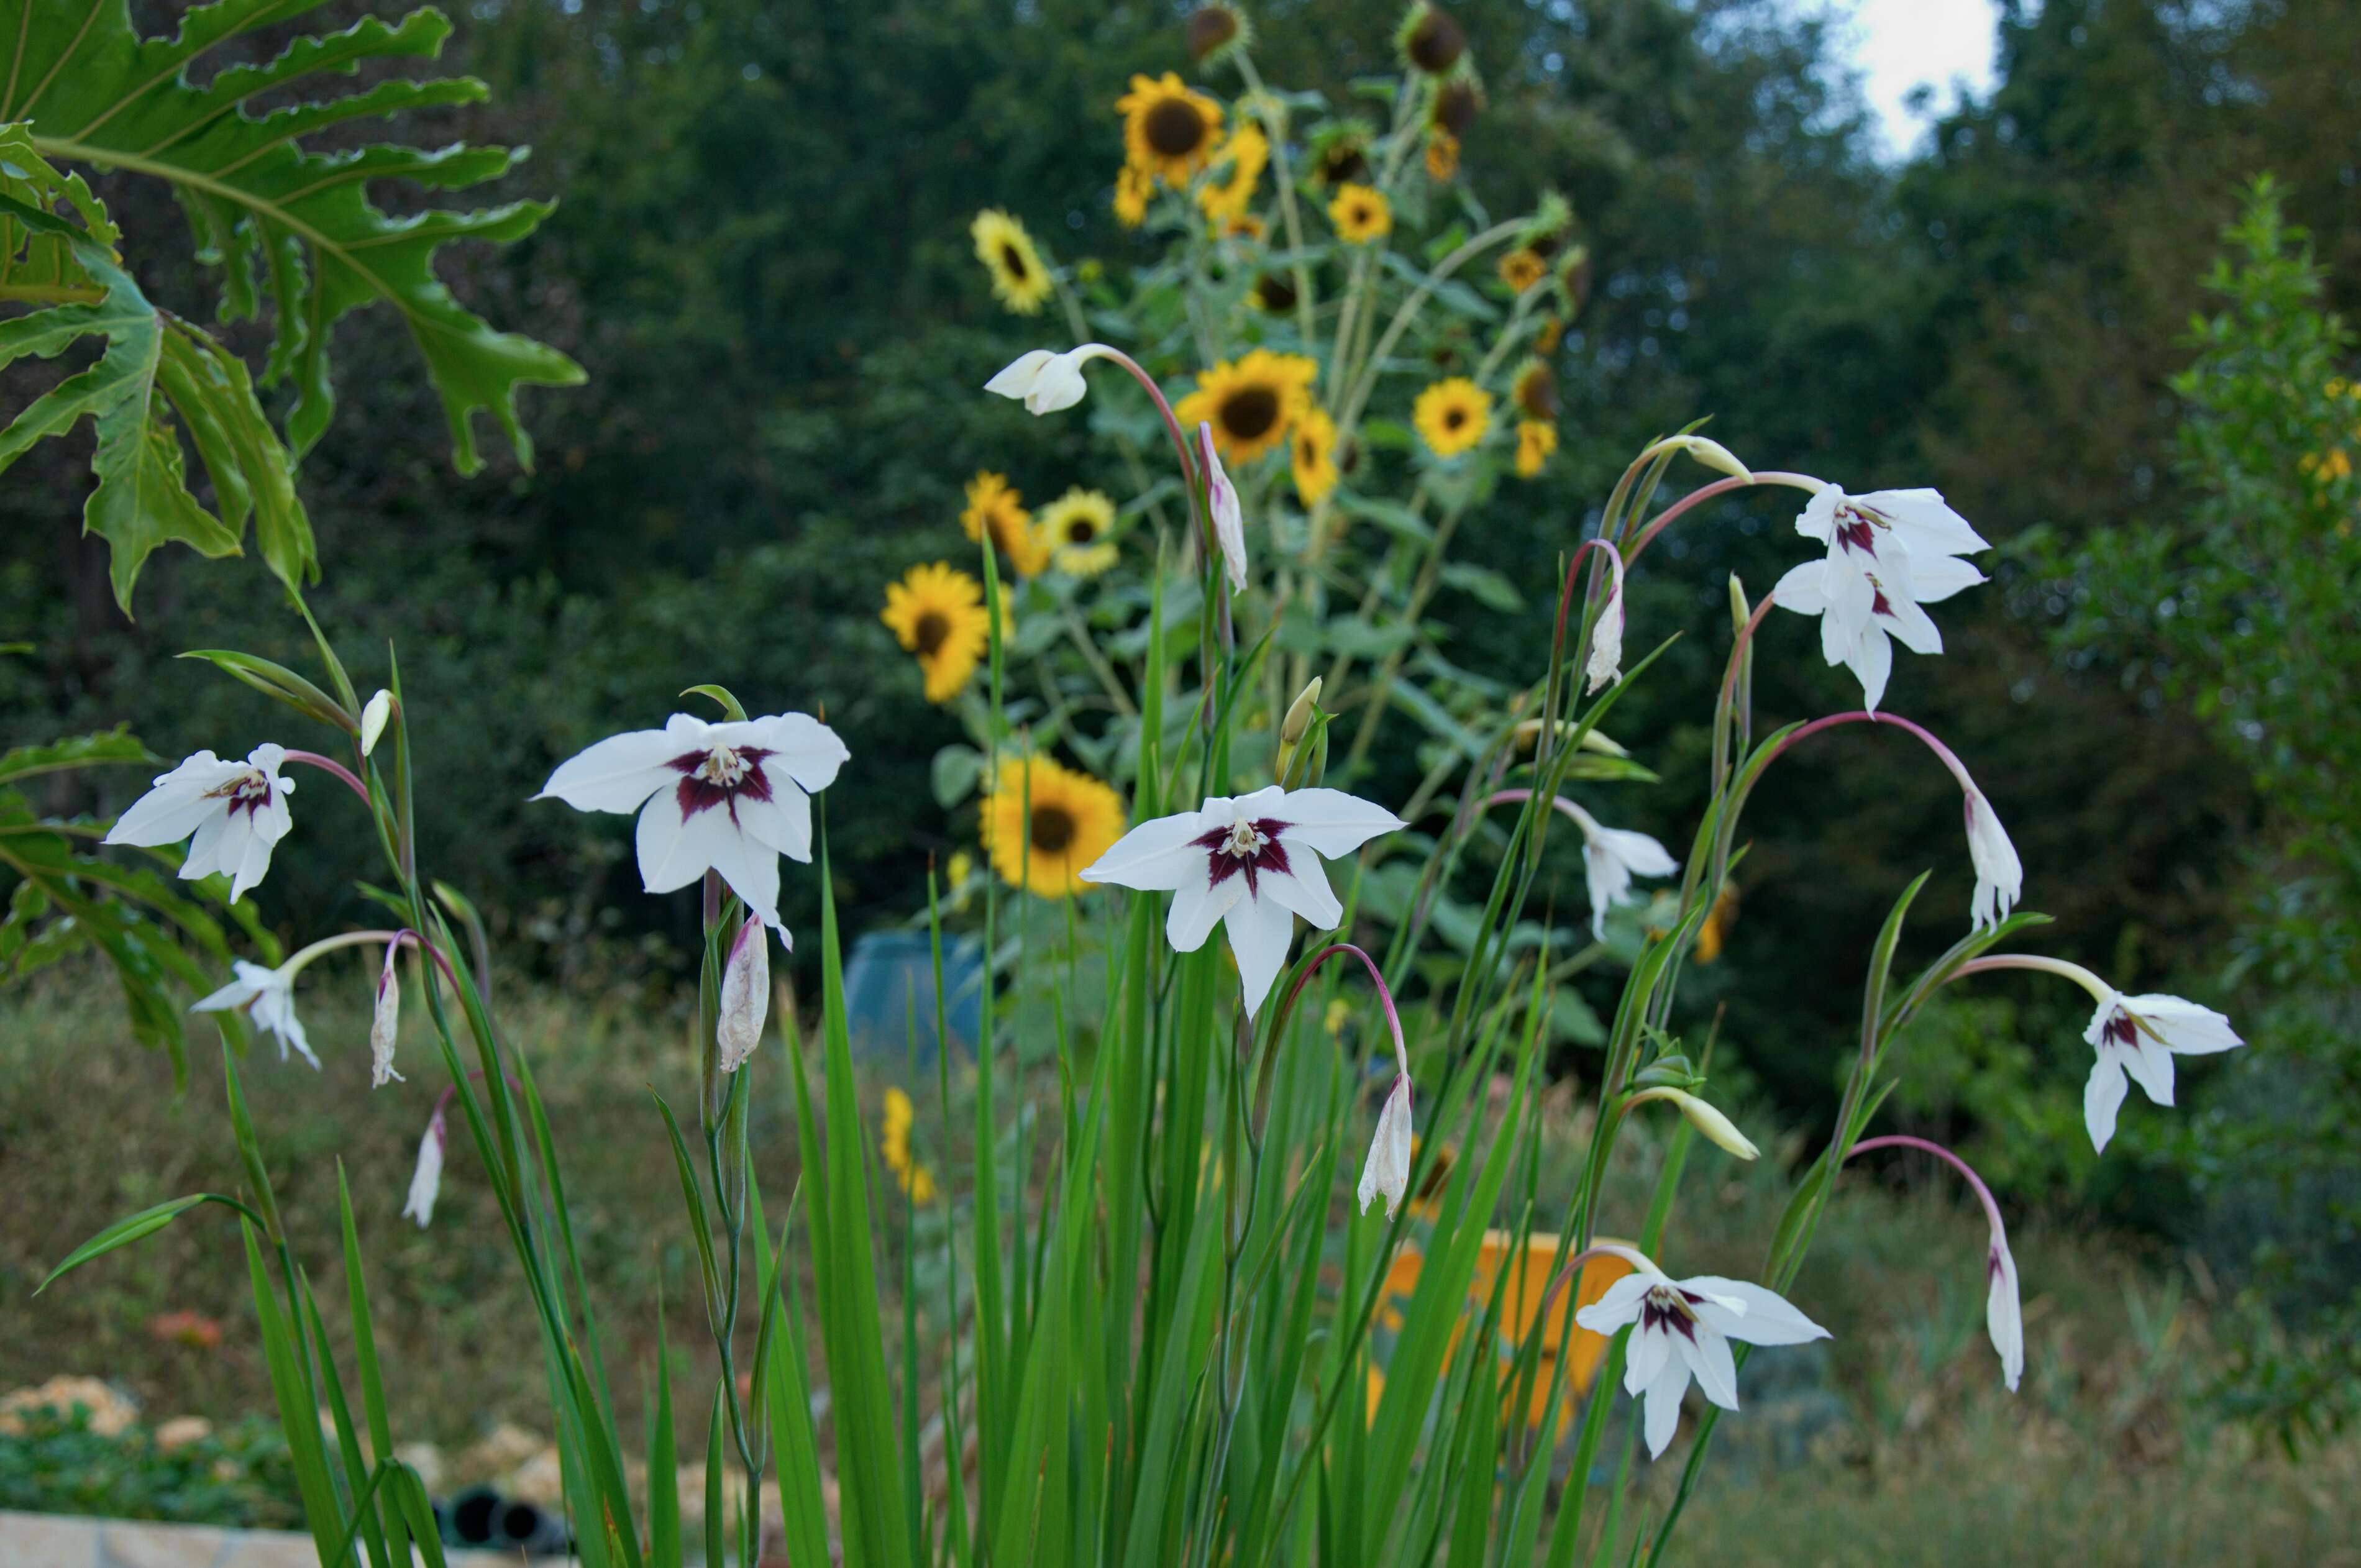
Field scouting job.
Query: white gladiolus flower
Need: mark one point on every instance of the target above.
(427, 1179)
(1999, 875)
(385, 1022)
(729, 798)
(2004, 1311)
(1045, 381)
(745, 1000)
(374, 713)
(1222, 500)
(2136, 1038)
(1681, 1329)
(268, 997)
(1606, 661)
(231, 812)
(1386, 1171)
(1888, 553)
(1611, 857)
(1251, 863)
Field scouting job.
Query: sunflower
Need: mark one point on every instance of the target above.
(1219, 33)
(1313, 456)
(1429, 40)
(1075, 527)
(1250, 402)
(1168, 130)
(894, 1148)
(1273, 292)
(1019, 279)
(1245, 226)
(1536, 439)
(1441, 154)
(1043, 823)
(1552, 329)
(992, 504)
(1340, 155)
(1534, 390)
(1453, 415)
(937, 612)
(1360, 214)
(1133, 187)
(1521, 269)
(1456, 105)
(1237, 169)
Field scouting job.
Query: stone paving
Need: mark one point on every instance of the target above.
(58, 1540)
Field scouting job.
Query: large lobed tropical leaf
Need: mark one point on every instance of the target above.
(284, 222)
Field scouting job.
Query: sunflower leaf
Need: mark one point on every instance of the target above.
(279, 220)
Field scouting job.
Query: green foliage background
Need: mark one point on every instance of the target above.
(761, 259)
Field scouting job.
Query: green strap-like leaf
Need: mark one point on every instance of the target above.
(98, 93)
(123, 1232)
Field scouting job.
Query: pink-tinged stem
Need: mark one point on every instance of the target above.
(1944, 753)
(1705, 493)
(1572, 1266)
(330, 765)
(1171, 426)
(1984, 1193)
(1558, 803)
(1737, 648)
(1385, 996)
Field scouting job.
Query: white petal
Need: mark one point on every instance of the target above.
(1767, 1318)
(1606, 661)
(1817, 519)
(2183, 1027)
(2004, 1315)
(427, 1179)
(1870, 659)
(204, 857)
(1925, 521)
(1607, 880)
(1619, 1304)
(619, 773)
(1197, 907)
(1303, 889)
(1910, 625)
(2094, 1033)
(1999, 875)
(1709, 1358)
(783, 823)
(808, 750)
(1260, 931)
(254, 849)
(251, 981)
(2103, 1096)
(751, 872)
(1386, 1173)
(177, 803)
(1664, 1418)
(1801, 590)
(1333, 823)
(1643, 854)
(2150, 1067)
(1017, 378)
(1644, 1354)
(674, 850)
(1156, 857)
(1936, 578)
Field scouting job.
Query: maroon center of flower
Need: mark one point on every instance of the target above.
(250, 792)
(2120, 1031)
(1670, 1307)
(1252, 847)
(720, 777)
(1877, 603)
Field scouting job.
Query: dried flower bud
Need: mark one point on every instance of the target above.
(745, 1000)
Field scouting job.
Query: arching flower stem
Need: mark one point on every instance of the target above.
(1966, 1172)
(330, 765)
(1665, 518)
(2099, 989)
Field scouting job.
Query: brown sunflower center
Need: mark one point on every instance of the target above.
(1175, 128)
(1053, 829)
(1436, 42)
(1249, 415)
(1343, 165)
(1080, 529)
(1456, 106)
(934, 629)
(1275, 294)
(1013, 259)
(1209, 28)
(1454, 417)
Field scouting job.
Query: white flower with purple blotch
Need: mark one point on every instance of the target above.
(729, 798)
(1251, 863)
(2137, 1038)
(1888, 553)
(267, 997)
(233, 814)
(1681, 1329)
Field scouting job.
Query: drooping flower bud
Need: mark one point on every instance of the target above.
(745, 1001)
(1606, 661)
(374, 714)
(1386, 1171)
(1218, 33)
(427, 1179)
(1705, 1118)
(1221, 501)
(384, 1022)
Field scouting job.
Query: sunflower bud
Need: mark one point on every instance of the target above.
(1218, 33)
(745, 1000)
(1704, 1118)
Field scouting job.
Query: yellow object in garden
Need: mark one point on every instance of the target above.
(1523, 267)
(1441, 154)
(1238, 168)
(1018, 277)
(1043, 823)
(993, 504)
(937, 612)
(1530, 1269)
(894, 1148)
(1251, 402)
(1453, 416)
(1169, 130)
(1133, 186)
(1360, 214)
(1536, 439)
(1313, 456)
(1075, 527)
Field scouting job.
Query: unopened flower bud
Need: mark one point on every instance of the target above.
(1704, 1118)
(1299, 714)
(427, 1179)
(374, 714)
(384, 1022)
(1386, 1171)
(745, 1001)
